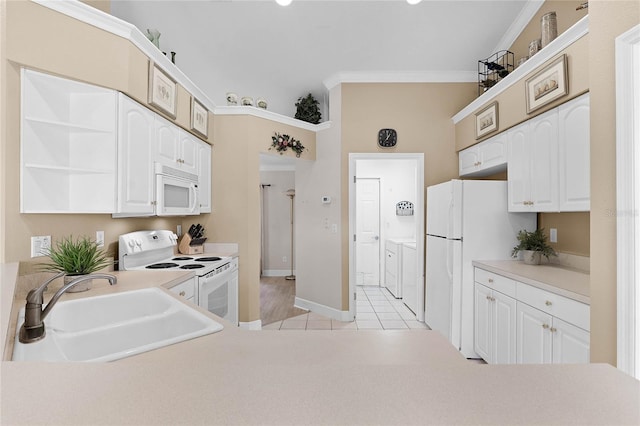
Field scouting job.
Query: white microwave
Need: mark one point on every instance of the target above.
(176, 192)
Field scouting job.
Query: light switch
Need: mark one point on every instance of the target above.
(553, 235)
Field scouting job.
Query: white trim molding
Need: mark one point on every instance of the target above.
(628, 199)
(251, 325)
(564, 40)
(400, 77)
(327, 311)
(522, 20)
(270, 115)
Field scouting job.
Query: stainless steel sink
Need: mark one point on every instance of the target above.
(114, 326)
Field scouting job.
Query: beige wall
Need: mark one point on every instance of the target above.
(512, 101)
(276, 219)
(420, 112)
(239, 140)
(566, 15)
(607, 20)
(573, 231)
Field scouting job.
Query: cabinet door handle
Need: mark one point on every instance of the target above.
(490, 280)
(182, 293)
(545, 326)
(548, 303)
(488, 297)
(553, 329)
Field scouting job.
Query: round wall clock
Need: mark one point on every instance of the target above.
(387, 138)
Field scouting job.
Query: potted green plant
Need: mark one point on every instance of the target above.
(533, 246)
(307, 109)
(75, 258)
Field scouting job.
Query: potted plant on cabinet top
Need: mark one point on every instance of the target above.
(533, 246)
(76, 258)
(307, 109)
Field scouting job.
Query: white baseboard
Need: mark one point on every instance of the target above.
(251, 325)
(277, 272)
(323, 310)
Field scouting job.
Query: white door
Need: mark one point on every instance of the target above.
(570, 343)
(367, 231)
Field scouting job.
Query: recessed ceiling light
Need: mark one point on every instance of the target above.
(283, 2)
(413, 1)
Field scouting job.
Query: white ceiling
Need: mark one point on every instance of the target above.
(259, 49)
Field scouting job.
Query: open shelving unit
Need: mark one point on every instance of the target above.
(68, 146)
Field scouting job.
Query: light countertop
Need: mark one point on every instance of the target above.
(320, 377)
(567, 282)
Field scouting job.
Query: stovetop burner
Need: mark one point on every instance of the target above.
(192, 266)
(208, 259)
(182, 258)
(164, 265)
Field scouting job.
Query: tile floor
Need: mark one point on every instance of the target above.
(376, 309)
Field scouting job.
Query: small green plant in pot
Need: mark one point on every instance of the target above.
(533, 246)
(75, 258)
(307, 109)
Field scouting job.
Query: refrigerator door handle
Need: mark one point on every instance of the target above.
(449, 261)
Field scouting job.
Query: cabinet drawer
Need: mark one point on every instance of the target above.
(185, 289)
(496, 282)
(559, 306)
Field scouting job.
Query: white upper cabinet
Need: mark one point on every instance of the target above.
(573, 155)
(189, 152)
(175, 147)
(136, 135)
(533, 165)
(548, 160)
(68, 146)
(483, 159)
(204, 176)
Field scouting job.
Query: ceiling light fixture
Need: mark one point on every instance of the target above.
(413, 1)
(283, 2)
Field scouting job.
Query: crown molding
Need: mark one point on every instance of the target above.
(272, 116)
(400, 77)
(564, 40)
(104, 21)
(522, 20)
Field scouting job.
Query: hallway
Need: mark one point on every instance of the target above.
(376, 308)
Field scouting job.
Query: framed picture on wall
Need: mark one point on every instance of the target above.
(199, 117)
(547, 85)
(487, 120)
(162, 90)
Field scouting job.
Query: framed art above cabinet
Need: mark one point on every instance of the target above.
(162, 91)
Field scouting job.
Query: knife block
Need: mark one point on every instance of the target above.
(186, 248)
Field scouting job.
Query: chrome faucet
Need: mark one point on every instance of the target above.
(33, 329)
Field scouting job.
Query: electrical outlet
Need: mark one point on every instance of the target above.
(40, 245)
(100, 238)
(334, 228)
(553, 235)
(179, 230)
(284, 259)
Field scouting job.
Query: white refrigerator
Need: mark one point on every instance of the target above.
(467, 220)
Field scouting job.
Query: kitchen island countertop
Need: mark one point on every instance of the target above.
(312, 377)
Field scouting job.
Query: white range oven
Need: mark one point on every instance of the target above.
(216, 277)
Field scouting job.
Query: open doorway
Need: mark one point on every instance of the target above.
(277, 263)
(386, 228)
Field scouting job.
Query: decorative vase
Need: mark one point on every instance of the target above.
(549, 24)
(83, 286)
(247, 101)
(261, 103)
(534, 47)
(531, 257)
(154, 36)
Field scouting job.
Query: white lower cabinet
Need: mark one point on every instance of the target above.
(495, 326)
(527, 325)
(544, 339)
(186, 289)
